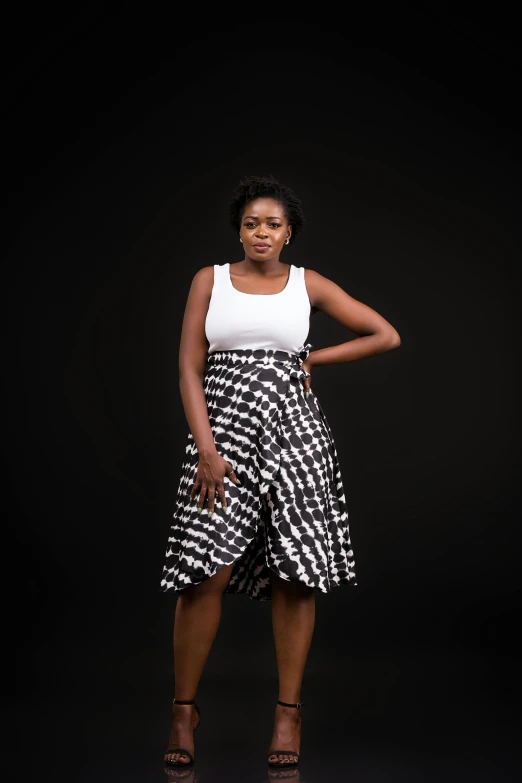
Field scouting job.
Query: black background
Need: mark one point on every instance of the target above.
(126, 136)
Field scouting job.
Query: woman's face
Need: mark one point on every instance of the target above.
(264, 229)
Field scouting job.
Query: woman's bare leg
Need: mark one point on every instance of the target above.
(293, 620)
(198, 614)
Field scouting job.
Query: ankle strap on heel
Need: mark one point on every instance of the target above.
(183, 701)
(298, 704)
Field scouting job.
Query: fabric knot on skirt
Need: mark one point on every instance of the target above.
(300, 357)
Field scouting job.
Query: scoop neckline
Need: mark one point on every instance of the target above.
(244, 293)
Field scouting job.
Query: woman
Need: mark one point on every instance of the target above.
(260, 508)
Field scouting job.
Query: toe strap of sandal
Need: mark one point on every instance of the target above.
(181, 751)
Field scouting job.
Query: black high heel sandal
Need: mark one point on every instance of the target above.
(182, 751)
(285, 764)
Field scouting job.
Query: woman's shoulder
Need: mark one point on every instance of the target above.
(318, 287)
(203, 281)
(312, 278)
(315, 278)
(205, 273)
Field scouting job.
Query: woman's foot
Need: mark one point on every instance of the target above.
(184, 721)
(286, 735)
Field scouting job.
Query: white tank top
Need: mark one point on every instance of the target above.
(236, 320)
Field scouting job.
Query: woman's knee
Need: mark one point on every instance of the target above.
(289, 588)
(212, 586)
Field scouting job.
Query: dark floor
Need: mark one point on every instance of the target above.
(397, 715)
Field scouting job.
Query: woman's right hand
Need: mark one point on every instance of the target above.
(210, 481)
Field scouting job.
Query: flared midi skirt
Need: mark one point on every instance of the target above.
(289, 512)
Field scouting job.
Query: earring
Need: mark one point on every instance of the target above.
(240, 240)
(287, 242)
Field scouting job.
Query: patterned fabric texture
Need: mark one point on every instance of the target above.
(289, 513)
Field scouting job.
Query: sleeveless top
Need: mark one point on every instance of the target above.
(236, 320)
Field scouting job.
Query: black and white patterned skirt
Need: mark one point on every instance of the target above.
(289, 513)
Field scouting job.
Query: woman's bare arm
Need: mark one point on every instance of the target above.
(192, 360)
(212, 468)
(377, 337)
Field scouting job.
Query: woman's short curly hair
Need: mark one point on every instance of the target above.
(251, 188)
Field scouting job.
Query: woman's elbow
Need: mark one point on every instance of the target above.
(396, 340)
(393, 340)
(189, 373)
